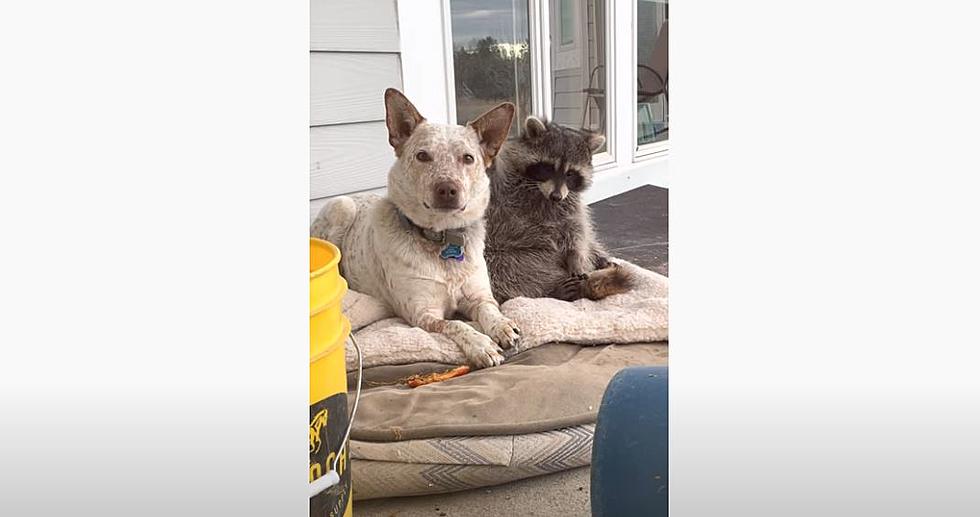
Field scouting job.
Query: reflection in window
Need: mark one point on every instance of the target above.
(491, 62)
(651, 72)
(578, 64)
(566, 13)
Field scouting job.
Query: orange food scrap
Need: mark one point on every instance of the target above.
(421, 380)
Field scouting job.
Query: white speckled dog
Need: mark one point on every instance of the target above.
(420, 249)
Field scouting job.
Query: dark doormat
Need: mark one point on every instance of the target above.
(633, 226)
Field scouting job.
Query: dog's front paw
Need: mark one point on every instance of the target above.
(505, 333)
(481, 351)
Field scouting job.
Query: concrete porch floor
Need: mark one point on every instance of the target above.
(633, 226)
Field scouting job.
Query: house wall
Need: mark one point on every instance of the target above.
(360, 48)
(354, 56)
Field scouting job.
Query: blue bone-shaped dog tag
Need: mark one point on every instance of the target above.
(452, 251)
(454, 239)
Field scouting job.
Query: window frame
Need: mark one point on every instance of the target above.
(540, 15)
(430, 83)
(654, 149)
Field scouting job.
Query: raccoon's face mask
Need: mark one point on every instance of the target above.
(555, 182)
(559, 158)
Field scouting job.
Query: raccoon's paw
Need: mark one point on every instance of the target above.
(481, 351)
(601, 262)
(571, 288)
(505, 333)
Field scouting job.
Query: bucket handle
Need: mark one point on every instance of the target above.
(331, 477)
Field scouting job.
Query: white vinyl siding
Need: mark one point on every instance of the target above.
(362, 25)
(354, 56)
(347, 158)
(347, 87)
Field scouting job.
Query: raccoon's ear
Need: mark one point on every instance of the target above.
(534, 127)
(401, 117)
(595, 141)
(492, 128)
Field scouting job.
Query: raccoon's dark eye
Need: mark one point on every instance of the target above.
(570, 172)
(574, 181)
(423, 156)
(468, 159)
(540, 171)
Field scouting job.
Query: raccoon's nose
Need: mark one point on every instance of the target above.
(555, 196)
(446, 194)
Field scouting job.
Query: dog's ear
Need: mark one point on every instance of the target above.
(492, 128)
(534, 127)
(595, 141)
(401, 117)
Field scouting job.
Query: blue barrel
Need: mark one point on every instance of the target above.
(629, 451)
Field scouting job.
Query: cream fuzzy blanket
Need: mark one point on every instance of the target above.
(637, 316)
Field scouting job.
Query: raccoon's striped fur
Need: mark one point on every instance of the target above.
(540, 241)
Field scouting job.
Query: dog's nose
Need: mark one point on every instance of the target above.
(556, 196)
(447, 194)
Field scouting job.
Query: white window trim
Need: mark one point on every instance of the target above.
(651, 150)
(426, 57)
(539, 19)
(618, 80)
(608, 158)
(428, 80)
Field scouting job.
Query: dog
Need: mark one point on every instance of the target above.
(420, 249)
(540, 239)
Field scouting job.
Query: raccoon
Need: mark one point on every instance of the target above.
(540, 241)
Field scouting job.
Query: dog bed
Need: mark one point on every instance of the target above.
(639, 315)
(472, 462)
(532, 415)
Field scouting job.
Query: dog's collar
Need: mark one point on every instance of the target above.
(454, 239)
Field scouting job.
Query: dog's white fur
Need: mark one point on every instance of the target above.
(382, 258)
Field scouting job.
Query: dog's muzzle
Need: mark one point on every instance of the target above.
(447, 195)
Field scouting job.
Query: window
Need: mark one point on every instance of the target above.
(578, 64)
(567, 21)
(556, 58)
(491, 59)
(651, 73)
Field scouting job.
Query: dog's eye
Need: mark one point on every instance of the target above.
(423, 156)
(468, 159)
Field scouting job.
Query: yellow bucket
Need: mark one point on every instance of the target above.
(329, 330)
